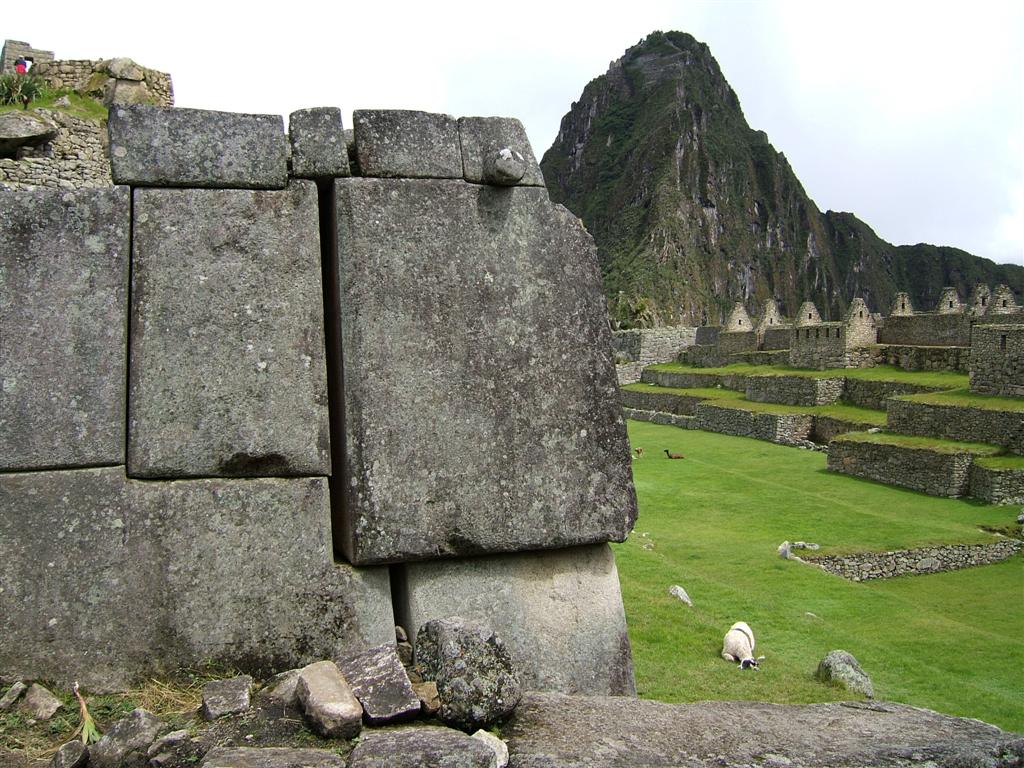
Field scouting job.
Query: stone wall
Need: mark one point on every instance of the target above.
(929, 329)
(997, 486)
(704, 356)
(937, 474)
(76, 158)
(114, 81)
(707, 335)
(827, 428)
(953, 422)
(776, 338)
(628, 373)
(683, 380)
(664, 402)
(216, 494)
(875, 394)
(925, 358)
(997, 360)
(733, 342)
(865, 566)
(818, 346)
(653, 345)
(660, 417)
(794, 390)
(787, 429)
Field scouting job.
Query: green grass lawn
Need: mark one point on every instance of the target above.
(712, 523)
(84, 107)
(939, 379)
(966, 398)
(937, 444)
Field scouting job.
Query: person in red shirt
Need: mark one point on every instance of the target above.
(21, 66)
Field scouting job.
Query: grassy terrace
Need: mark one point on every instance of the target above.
(939, 379)
(965, 398)
(712, 523)
(936, 444)
(84, 107)
(730, 398)
(1001, 462)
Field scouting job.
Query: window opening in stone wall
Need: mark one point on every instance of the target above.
(816, 333)
(771, 321)
(951, 305)
(1004, 304)
(983, 300)
(861, 313)
(903, 305)
(1002, 342)
(808, 315)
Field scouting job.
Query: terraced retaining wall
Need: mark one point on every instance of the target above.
(926, 330)
(874, 394)
(653, 345)
(776, 339)
(827, 428)
(997, 486)
(954, 422)
(687, 380)
(794, 390)
(865, 566)
(737, 341)
(705, 356)
(665, 402)
(660, 417)
(931, 472)
(788, 429)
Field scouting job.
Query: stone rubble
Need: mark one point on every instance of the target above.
(73, 754)
(133, 734)
(379, 680)
(39, 702)
(226, 697)
(10, 698)
(842, 669)
(327, 701)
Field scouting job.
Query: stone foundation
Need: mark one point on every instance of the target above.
(997, 486)
(794, 390)
(931, 472)
(788, 429)
(954, 422)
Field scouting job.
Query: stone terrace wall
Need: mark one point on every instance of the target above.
(663, 402)
(926, 330)
(810, 347)
(776, 338)
(875, 394)
(997, 360)
(827, 428)
(737, 381)
(75, 159)
(937, 474)
(865, 566)
(980, 425)
(188, 496)
(707, 335)
(997, 486)
(794, 390)
(789, 429)
(733, 342)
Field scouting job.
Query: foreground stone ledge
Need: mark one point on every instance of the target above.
(171, 147)
(482, 137)
(116, 579)
(63, 320)
(227, 376)
(557, 731)
(559, 613)
(466, 443)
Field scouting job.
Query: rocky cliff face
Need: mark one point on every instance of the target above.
(692, 209)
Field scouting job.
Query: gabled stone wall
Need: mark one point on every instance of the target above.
(997, 360)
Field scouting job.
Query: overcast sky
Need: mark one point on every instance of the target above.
(908, 114)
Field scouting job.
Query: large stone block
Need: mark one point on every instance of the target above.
(560, 613)
(400, 143)
(318, 143)
(481, 407)
(227, 351)
(116, 579)
(63, 320)
(483, 137)
(170, 147)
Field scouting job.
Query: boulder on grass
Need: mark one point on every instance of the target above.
(842, 669)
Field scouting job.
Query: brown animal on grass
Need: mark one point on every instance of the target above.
(674, 455)
(639, 452)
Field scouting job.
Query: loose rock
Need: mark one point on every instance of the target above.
(272, 757)
(280, 690)
(328, 702)
(131, 734)
(40, 703)
(677, 591)
(226, 697)
(378, 679)
(73, 754)
(475, 674)
(13, 694)
(176, 749)
(842, 669)
(430, 701)
(421, 748)
(500, 747)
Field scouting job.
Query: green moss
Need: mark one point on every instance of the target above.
(913, 441)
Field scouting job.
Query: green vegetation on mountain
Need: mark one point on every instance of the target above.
(692, 209)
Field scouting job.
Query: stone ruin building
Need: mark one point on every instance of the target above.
(954, 336)
(53, 148)
(261, 403)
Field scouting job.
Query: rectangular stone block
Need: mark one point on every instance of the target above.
(108, 580)
(171, 147)
(481, 406)
(227, 351)
(318, 143)
(63, 319)
(400, 143)
(484, 136)
(560, 613)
